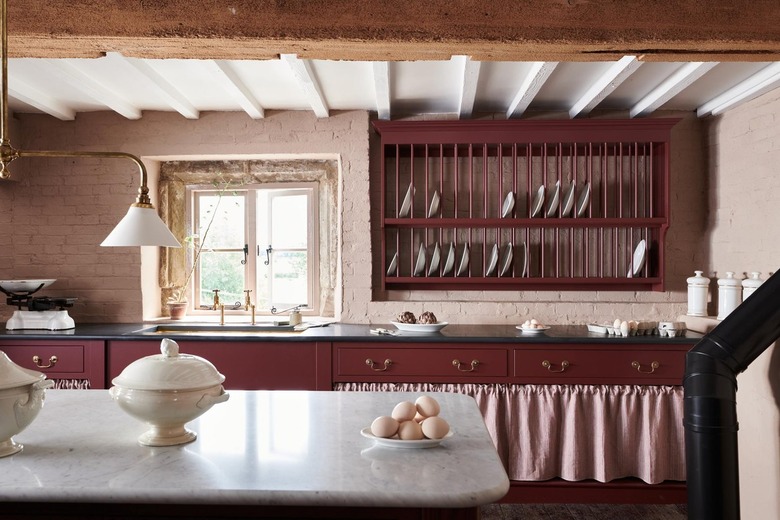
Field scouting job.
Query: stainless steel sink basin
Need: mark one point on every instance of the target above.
(214, 329)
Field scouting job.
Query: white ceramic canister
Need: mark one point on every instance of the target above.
(729, 294)
(750, 284)
(698, 294)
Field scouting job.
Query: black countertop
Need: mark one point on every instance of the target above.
(344, 332)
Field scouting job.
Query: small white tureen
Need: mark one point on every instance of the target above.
(22, 392)
(166, 391)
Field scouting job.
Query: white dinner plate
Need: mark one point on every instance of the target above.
(393, 265)
(532, 332)
(538, 202)
(398, 443)
(506, 263)
(491, 268)
(434, 207)
(25, 286)
(463, 266)
(509, 205)
(568, 201)
(419, 268)
(406, 205)
(449, 263)
(522, 268)
(435, 257)
(638, 260)
(582, 203)
(552, 207)
(420, 327)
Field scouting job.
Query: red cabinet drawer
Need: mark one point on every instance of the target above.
(48, 358)
(412, 363)
(599, 366)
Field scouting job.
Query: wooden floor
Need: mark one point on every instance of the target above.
(583, 512)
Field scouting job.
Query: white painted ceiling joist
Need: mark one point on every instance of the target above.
(670, 87)
(25, 93)
(77, 78)
(532, 83)
(382, 88)
(468, 93)
(173, 97)
(232, 84)
(303, 72)
(617, 73)
(759, 83)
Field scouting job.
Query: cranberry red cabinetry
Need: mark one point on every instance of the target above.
(70, 363)
(246, 365)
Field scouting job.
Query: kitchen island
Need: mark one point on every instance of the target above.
(260, 454)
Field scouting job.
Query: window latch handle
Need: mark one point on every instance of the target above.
(268, 251)
(246, 253)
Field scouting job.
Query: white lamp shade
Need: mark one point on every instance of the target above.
(141, 227)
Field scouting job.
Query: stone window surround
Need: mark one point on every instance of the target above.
(176, 175)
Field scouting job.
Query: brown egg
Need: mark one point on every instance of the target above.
(435, 427)
(418, 417)
(427, 406)
(384, 427)
(410, 431)
(404, 411)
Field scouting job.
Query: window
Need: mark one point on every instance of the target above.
(262, 238)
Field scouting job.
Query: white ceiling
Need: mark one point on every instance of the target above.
(459, 86)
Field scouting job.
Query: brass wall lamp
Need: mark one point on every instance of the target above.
(141, 226)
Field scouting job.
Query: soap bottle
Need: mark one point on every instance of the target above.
(698, 294)
(729, 295)
(751, 284)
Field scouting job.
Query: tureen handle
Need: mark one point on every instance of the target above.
(208, 400)
(169, 348)
(26, 411)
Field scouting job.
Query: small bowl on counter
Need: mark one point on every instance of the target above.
(166, 391)
(22, 392)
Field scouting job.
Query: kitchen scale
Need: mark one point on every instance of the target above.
(36, 313)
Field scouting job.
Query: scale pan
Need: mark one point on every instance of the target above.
(24, 286)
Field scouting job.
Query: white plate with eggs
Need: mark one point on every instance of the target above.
(532, 330)
(398, 443)
(420, 327)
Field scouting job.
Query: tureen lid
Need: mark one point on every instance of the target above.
(12, 375)
(169, 371)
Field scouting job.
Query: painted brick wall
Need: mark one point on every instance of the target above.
(62, 209)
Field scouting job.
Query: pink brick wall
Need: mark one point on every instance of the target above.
(59, 211)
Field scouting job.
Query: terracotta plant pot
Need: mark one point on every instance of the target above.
(178, 310)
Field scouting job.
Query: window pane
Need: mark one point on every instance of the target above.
(289, 279)
(221, 270)
(227, 228)
(289, 215)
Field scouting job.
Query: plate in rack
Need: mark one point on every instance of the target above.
(449, 263)
(638, 260)
(582, 202)
(568, 201)
(491, 268)
(406, 205)
(435, 258)
(538, 202)
(506, 263)
(509, 205)
(393, 265)
(419, 268)
(552, 207)
(434, 207)
(463, 266)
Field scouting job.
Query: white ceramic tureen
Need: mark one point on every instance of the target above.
(22, 392)
(166, 391)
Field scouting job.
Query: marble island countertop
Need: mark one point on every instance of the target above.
(281, 448)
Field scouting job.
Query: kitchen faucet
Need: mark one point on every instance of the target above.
(216, 299)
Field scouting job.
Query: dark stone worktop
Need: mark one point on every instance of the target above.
(343, 332)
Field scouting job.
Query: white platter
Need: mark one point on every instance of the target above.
(552, 207)
(493, 262)
(532, 332)
(434, 207)
(435, 258)
(638, 260)
(406, 205)
(538, 202)
(506, 263)
(568, 201)
(419, 267)
(463, 266)
(582, 203)
(398, 443)
(25, 286)
(509, 205)
(449, 263)
(420, 327)
(393, 265)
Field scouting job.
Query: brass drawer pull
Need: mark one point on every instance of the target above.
(457, 364)
(386, 364)
(638, 366)
(564, 365)
(37, 361)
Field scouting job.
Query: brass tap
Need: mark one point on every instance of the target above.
(253, 313)
(216, 298)
(221, 314)
(248, 299)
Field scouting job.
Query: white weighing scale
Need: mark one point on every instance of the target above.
(41, 313)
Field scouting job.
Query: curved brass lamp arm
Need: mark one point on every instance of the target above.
(142, 200)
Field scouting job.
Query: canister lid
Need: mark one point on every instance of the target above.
(699, 279)
(753, 282)
(729, 280)
(12, 375)
(169, 370)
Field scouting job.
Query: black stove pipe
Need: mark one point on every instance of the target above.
(710, 410)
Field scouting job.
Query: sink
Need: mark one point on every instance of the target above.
(214, 329)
